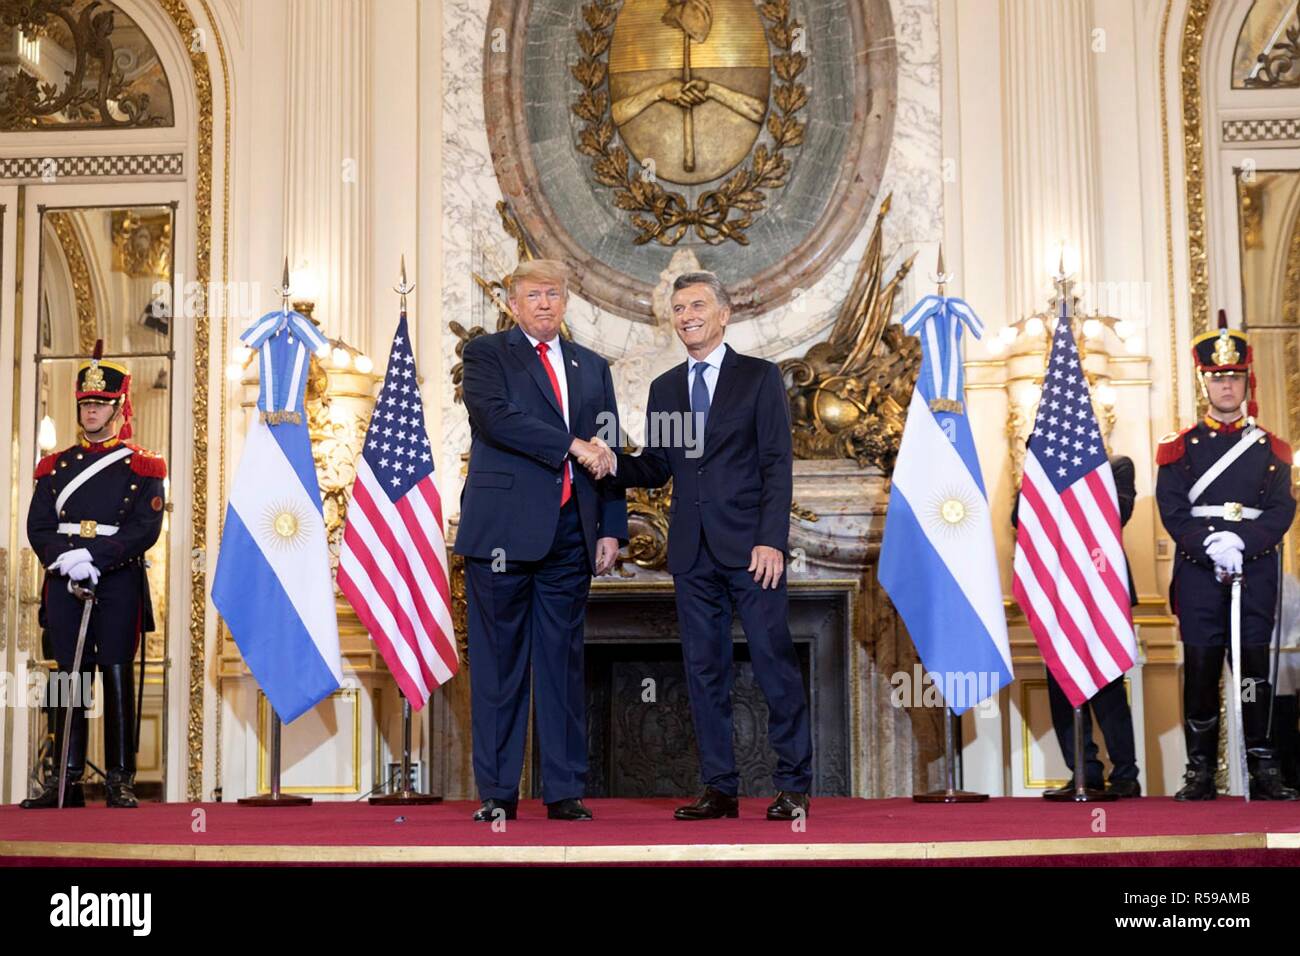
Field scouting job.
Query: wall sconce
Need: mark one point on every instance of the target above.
(47, 436)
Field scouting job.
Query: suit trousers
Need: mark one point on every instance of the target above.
(530, 613)
(708, 595)
(1114, 716)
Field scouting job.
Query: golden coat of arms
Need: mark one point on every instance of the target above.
(685, 89)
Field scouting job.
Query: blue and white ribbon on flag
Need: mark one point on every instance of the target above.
(279, 393)
(272, 585)
(937, 560)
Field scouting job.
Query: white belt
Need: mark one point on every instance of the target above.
(87, 529)
(1232, 511)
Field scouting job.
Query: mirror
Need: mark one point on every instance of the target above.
(106, 272)
(1268, 211)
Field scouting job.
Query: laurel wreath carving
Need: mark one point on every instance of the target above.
(721, 214)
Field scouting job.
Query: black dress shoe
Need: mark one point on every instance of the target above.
(712, 805)
(789, 805)
(570, 809)
(1125, 788)
(488, 812)
(1067, 788)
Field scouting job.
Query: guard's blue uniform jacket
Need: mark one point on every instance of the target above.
(1254, 497)
(116, 514)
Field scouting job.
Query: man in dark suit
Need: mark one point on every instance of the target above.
(533, 529)
(719, 426)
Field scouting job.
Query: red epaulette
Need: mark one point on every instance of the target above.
(147, 463)
(1172, 447)
(46, 465)
(1281, 449)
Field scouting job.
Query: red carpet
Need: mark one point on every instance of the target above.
(1155, 830)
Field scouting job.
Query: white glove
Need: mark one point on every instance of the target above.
(1228, 564)
(69, 558)
(1222, 543)
(84, 570)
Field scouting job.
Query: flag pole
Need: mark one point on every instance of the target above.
(277, 798)
(950, 793)
(1081, 793)
(405, 796)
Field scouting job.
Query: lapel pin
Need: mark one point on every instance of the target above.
(573, 362)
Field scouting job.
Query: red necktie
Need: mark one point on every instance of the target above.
(542, 348)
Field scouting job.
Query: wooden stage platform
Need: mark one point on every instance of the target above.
(839, 831)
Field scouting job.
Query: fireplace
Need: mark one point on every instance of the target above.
(641, 742)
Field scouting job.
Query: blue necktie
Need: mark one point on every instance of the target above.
(700, 395)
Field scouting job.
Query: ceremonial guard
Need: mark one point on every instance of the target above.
(1224, 493)
(96, 509)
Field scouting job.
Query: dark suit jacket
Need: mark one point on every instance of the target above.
(519, 444)
(736, 492)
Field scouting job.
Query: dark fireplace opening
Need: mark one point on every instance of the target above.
(640, 738)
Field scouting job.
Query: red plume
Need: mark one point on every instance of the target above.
(1223, 318)
(99, 350)
(125, 431)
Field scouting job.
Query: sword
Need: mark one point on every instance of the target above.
(87, 597)
(1236, 680)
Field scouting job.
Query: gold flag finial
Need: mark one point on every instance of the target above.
(403, 287)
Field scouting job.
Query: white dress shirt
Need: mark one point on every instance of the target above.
(712, 368)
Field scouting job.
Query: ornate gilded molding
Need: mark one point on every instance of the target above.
(188, 30)
(75, 255)
(720, 214)
(1194, 163)
(849, 394)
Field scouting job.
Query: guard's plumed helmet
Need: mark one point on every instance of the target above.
(106, 382)
(1223, 352)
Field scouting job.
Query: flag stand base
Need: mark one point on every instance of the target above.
(950, 794)
(405, 797)
(275, 798)
(1080, 793)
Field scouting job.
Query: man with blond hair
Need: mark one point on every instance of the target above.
(533, 529)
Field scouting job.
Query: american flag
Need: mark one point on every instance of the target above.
(393, 566)
(1070, 575)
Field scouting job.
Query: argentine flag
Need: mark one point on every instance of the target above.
(937, 560)
(273, 585)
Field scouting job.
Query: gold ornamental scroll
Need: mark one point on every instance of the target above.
(689, 84)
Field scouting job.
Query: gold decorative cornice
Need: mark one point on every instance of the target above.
(1194, 163)
(75, 255)
(187, 29)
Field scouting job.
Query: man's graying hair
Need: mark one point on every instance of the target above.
(704, 278)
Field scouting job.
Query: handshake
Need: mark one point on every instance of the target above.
(77, 565)
(1225, 548)
(594, 455)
